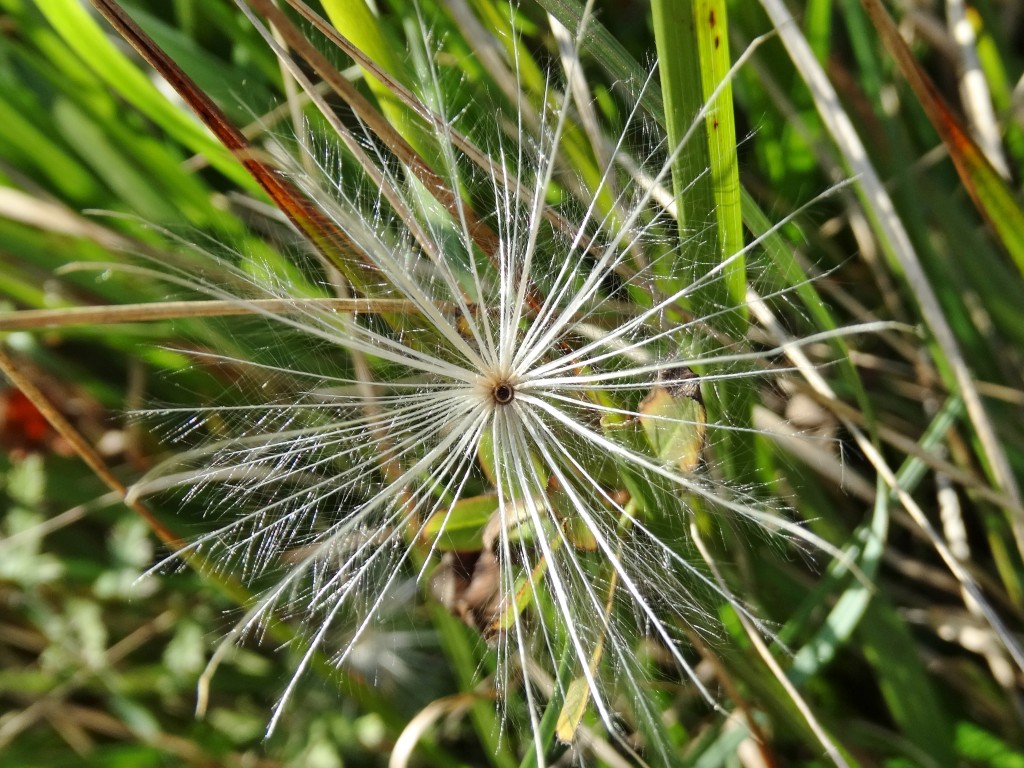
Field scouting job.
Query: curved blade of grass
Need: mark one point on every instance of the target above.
(86, 38)
(990, 193)
(852, 605)
(607, 51)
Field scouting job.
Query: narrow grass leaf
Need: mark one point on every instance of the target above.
(84, 35)
(711, 34)
(905, 683)
(871, 539)
(355, 20)
(893, 237)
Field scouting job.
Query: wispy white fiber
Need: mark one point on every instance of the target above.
(520, 377)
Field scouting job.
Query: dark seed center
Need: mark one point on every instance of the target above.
(503, 393)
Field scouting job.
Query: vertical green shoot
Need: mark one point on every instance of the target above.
(693, 58)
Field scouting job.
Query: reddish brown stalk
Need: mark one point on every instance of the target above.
(31, 319)
(478, 230)
(85, 451)
(482, 235)
(306, 217)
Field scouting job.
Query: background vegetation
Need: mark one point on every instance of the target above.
(100, 668)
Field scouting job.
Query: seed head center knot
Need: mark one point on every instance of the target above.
(503, 392)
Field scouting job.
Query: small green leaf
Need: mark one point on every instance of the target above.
(461, 527)
(674, 418)
(576, 700)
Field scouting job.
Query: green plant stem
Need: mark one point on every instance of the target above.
(553, 709)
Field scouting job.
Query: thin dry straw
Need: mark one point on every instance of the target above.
(32, 319)
(87, 453)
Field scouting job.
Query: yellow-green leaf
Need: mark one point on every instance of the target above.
(674, 418)
(575, 706)
(461, 527)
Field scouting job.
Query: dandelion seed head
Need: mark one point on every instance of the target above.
(503, 389)
(489, 441)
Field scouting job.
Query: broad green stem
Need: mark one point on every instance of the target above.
(693, 55)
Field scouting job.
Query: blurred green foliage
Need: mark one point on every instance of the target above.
(99, 658)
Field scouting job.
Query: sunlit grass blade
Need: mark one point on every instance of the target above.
(695, 68)
(355, 20)
(86, 37)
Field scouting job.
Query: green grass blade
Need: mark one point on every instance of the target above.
(711, 35)
(693, 59)
(84, 36)
(905, 684)
(682, 89)
(356, 22)
(853, 604)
